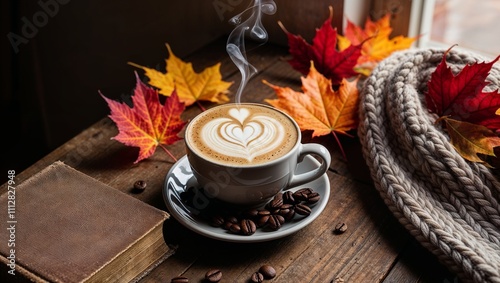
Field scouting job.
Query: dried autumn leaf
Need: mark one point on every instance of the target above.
(377, 42)
(320, 108)
(190, 86)
(164, 82)
(470, 139)
(461, 96)
(148, 123)
(323, 52)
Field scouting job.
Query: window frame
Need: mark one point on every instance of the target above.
(420, 24)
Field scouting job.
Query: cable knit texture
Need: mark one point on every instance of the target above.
(451, 206)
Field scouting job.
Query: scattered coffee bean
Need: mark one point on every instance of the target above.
(140, 185)
(268, 271)
(313, 198)
(262, 220)
(288, 198)
(257, 277)
(229, 222)
(251, 214)
(340, 228)
(263, 212)
(248, 227)
(306, 191)
(283, 209)
(235, 228)
(217, 221)
(275, 202)
(179, 279)
(302, 194)
(214, 275)
(303, 209)
(275, 221)
(280, 209)
(227, 225)
(232, 219)
(289, 216)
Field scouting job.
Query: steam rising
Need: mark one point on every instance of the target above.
(236, 42)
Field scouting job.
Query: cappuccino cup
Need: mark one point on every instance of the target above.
(244, 154)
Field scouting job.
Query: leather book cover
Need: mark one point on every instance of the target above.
(66, 226)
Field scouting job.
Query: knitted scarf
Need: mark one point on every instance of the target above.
(451, 206)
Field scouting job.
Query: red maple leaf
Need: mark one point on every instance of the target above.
(323, 53)
(462, 96)
(148, 123)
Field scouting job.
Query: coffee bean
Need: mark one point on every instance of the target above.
(232, 219)
(275, 202)
(179, 279)
(305, 191)
(275, 221)
(268, 271)
(217, 221)
(286, 210)
(262, 220)
(302, 194)
(288, 198)
(140, 185)
(290, 214)
(248, 227)
(214, 275)
(251, 214)
(303, 209)
(235, 228)
(227, 225)
(263, 212)
(283, 210)
(313, 198)
(340, 228)
(257, 277)
(229, 221)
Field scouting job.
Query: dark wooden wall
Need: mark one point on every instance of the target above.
(57, 54)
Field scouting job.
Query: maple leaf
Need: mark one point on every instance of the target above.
(470, 139)
(148, 123)
(323, 52)
(461, 96)
(377, 44)
(190, 86)
(319, 107)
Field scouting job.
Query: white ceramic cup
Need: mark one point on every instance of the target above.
(247, 184)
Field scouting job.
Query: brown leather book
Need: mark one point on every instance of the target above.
(65, 226)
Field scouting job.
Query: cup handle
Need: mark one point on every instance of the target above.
(311, 148)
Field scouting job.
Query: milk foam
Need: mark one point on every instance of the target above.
(243, 135)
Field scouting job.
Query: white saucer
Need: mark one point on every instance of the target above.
(180, 178)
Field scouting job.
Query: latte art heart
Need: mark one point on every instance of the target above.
(242, 135)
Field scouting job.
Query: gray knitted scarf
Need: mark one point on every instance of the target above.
(451, 206)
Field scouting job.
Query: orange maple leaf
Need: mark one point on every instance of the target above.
(378, 45)
(190, 86)
(320, 108)
(470, 139)
(148, 123)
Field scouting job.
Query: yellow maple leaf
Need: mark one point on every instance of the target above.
(470, 139)
(189, 85)
(320, 108)
(377, 44)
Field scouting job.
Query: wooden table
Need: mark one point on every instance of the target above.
(375, 247)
